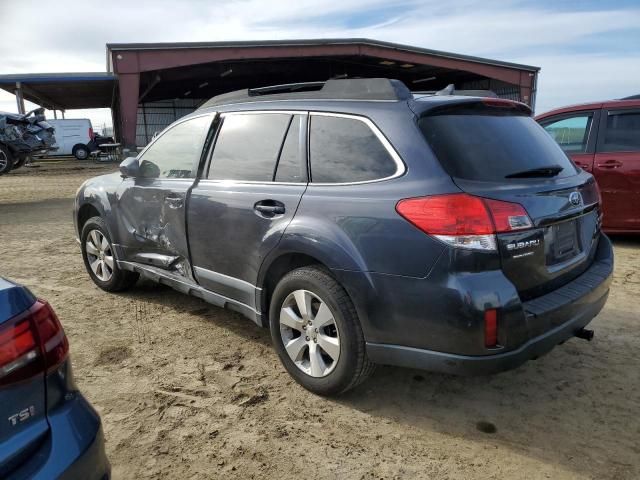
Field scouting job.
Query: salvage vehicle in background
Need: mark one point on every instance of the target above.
(362, 224)
(22, 136)
(48, 429)
(603, 138)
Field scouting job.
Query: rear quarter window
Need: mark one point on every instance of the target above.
(346, 150)
(490, 147)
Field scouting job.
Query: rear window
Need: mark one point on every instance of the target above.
(491, 147)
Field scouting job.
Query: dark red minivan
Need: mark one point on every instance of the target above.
(604, 139)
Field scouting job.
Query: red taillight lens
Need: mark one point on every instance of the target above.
(508, 216)
(15, 341)
(32, 343)
(490, 328)
(457, 214)
(53, 341)
(464, 220)
(91, 134)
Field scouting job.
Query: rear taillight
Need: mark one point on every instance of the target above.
(32, 343)
(463, 220)
(91, 134)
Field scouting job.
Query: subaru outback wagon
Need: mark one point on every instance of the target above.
(363, 225)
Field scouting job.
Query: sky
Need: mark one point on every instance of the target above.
(588, 50)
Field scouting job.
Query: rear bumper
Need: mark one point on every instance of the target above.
(74, 448)
(548, 320)
(486, 364)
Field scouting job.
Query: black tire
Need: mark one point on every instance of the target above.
(20, 161)
(352, 366)
(81, 152)
(119, 279)
(6, 159)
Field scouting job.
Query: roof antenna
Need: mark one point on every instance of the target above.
(448, 90)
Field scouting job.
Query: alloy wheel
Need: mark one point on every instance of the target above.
(99, 255)
(309, 333)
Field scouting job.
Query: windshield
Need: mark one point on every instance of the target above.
(493, 147)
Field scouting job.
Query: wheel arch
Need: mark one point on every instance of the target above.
(278, 264)
(276, 268)
(85, 212)
(79, 145)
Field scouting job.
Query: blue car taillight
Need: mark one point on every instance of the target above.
(32, 343)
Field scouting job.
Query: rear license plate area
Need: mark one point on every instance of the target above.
(562, 242)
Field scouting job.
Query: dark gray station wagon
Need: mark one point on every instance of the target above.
(362, 224)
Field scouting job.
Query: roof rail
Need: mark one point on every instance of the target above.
(334, 89)
(286, 88)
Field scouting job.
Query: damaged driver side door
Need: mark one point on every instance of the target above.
(152, 206)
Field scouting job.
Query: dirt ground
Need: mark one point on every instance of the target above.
(187, 390)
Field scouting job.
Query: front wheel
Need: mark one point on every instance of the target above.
(316, 332)
(99, 258)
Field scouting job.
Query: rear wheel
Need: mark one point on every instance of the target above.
(6, 160)
(316, 332)
(81, 152)
(99, 258)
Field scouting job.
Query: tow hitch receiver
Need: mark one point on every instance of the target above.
(585, 334)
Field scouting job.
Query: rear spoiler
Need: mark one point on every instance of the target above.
(475, 105)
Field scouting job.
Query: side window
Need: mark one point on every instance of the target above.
(247, 146)
(177, 152)
(622, 133)
(572, 134)
(291, 164)
(343, 150)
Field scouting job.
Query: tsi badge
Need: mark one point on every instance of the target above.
(22, 416)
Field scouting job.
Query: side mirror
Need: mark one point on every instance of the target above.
(129, 167)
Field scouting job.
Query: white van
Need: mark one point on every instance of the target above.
(73, 137)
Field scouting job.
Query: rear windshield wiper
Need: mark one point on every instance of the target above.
(550, 171)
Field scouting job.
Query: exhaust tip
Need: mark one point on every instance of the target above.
(585, 334)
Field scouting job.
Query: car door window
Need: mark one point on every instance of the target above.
(572, 133)
(291, 163)
(622, 133)
(176, 153)
(346, 150)
(248, 146)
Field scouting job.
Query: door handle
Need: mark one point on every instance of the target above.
(610, 164)
(174, 201)
(269, 208)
